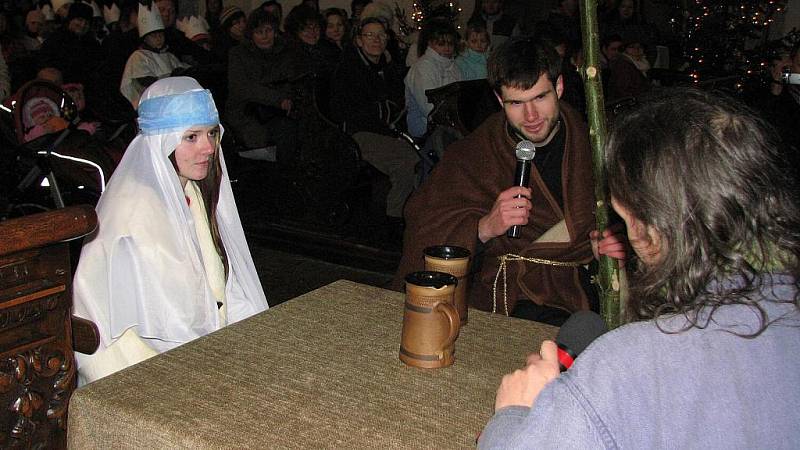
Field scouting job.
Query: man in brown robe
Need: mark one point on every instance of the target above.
(468, 200)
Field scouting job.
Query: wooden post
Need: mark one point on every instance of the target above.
(608, 274)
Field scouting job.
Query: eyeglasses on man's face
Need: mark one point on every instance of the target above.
(375, 36)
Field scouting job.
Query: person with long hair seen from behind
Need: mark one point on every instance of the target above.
(169, 261)
(708, 359)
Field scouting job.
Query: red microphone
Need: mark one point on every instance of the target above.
(576, 334)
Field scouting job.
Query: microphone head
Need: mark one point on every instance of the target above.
(579, 331)
(525, 150)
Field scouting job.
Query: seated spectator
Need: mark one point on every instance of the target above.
(781, 103)
(395, 46)
(73, 49)
(260, 97)
(122, 41)
(213, 10)
(152, 61)
(627, 73)
(626, 21)
(230, 32)
(499, 25)
(564, 21)
(367, 99)
(713, 217)
(610, 47)
(32, 39)
(274, 7)
(303, 25)
(434, 69)
(169, 261)
(336, 31)
(472, 61)
(179, 45)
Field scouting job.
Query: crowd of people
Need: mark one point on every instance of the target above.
(254, 63)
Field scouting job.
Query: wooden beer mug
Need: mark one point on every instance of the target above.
(430, 320)
(455, 261)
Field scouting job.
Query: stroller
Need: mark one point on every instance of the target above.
(46, 150)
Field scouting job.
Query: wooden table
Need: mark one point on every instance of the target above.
(319, 371)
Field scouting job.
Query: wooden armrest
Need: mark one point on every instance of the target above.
(85, 336)
(39, 230)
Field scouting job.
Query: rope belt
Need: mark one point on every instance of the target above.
(502, 269)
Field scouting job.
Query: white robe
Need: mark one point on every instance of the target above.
(145, 269)
(145, 63)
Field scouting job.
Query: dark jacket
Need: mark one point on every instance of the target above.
(261, 77)
(77, 57)
(366, 96)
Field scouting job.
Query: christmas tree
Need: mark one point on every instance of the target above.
(724, 41)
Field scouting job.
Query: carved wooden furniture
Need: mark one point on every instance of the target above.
(37, 364)
(319, 371)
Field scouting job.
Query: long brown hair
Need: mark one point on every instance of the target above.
(713, 180)
(209, 192)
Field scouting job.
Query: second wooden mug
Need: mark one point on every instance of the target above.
(455, 261)
(430, 321)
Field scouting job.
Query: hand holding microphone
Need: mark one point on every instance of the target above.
(525, 152)
(522, 386)
(512, 207)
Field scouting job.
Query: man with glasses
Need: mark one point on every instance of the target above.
(469, 200)
(367, 100)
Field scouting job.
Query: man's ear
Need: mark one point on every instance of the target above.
(499, 98)
(560, 86)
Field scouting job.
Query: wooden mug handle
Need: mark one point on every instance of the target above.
(452, 318)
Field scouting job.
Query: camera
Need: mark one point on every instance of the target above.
(787, 77)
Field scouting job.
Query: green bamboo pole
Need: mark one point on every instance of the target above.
(608, 274)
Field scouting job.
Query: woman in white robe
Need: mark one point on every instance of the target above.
(169, 262)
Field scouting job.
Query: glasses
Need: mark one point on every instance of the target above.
(375, 36)
(311, 28)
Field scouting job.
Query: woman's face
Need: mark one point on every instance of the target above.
(309, 34)
(335, 28)
(195, 153)
(237, 28)
(372, 41)
(264, 37)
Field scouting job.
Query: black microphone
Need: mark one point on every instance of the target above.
(576, 334)
(525, 152)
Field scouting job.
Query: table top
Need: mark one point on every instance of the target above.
(319, 371)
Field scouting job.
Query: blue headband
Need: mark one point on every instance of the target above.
(169, 113)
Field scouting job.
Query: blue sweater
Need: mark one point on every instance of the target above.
(640, 388)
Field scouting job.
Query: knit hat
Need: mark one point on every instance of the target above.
(149, 20)
(57, 4)
(111, 14)
(229, 13)
(195, 28)
(79, 11)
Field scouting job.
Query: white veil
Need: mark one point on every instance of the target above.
(143, 267)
